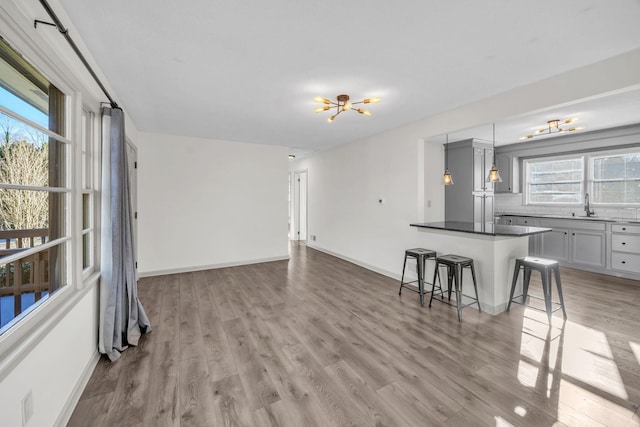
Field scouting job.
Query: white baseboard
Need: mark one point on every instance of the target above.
(74, 397)
(211, 266)
(357, 262)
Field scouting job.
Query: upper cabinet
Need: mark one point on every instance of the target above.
(470, 199)
(507, 164)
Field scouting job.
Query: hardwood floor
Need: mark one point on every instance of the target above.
(317, 341)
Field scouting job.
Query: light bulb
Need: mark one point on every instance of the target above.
(364, 112)
(330, 119)
(347, 106)
(321, 100)
(494, 175)
(373, 100)
(446, 178)
(321, 109)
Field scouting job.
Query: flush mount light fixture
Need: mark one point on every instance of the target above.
(343, 104)
(554, 126)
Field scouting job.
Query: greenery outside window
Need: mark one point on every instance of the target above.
(35, 188)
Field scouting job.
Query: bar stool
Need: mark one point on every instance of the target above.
(546, 267)
(421, 256)
(455, 266)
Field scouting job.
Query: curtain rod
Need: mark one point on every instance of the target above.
(65, 32)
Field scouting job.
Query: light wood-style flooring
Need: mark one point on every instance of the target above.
(318, 341)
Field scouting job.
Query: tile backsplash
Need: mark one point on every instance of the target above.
(514, 203)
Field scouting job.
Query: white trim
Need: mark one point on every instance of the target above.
(34, 125)
(19, 340)
(35, 188)
(212, 266)
(34, 250)
(76, 393)
(357, 262)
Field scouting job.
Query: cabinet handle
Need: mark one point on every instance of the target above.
(565, 233)
(573, 234)
(624, 243)
(624, 262)
(624, 229)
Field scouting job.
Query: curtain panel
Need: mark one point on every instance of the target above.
(122, 317)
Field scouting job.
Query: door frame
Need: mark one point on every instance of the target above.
(296, 205)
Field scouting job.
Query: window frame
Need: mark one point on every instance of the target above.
(590, 180)
(587, 183)
(526, 179)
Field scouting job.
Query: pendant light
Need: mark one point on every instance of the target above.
(446, 178)
(494, 173)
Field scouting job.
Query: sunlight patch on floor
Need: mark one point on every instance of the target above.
(501, 422)
(635, 347)
(587, 357)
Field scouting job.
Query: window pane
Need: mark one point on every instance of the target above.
(616, 178)
(86, 250)
(28, 282)
(555, 181)
(86, 211)
(29, 219)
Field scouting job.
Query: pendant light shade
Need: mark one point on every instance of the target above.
(494, 173)
(447, 179)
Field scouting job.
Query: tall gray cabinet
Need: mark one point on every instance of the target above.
(470, 198)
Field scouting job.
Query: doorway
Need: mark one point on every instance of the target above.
(300, 198)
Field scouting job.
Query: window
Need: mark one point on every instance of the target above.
(611, 178)
(556, 181)
(34, 188)
(616, 178)
(90, 178)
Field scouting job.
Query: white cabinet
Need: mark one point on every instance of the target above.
(483, 207)
(625, 247)
(525, 221)
(574, 242)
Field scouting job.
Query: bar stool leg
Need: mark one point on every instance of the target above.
(546, 289)
(475, 286)
(402, 279)
(420, 267)
(516, 273)
(559, 286)
(525, 284)
(433, 287)
(449, 279)
(458, 279)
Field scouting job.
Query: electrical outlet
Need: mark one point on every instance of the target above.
(428, 203)
(381, 200)
(313, 237)
(27, 408)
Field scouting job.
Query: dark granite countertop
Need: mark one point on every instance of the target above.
(571, 217)
(486, 228)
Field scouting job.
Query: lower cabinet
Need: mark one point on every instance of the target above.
(625, 248)
(600, 246)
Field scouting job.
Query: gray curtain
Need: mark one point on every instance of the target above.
(122, 317)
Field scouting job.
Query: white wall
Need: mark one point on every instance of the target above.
(209, 203)
(56, 369)
(345, 182)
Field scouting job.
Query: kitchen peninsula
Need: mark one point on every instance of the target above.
(493, 247)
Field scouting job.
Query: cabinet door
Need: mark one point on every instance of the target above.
(503, 163)
(588, 248)
(487, 208)
(478, 169)
(478, 207)
(488, 162)
(555, 245)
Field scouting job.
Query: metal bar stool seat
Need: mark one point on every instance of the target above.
(455, 265)
(421, 256)
(547, 268)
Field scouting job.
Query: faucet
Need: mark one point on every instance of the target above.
(587, 209)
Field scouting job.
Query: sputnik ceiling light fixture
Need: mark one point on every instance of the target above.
(494, 173)
(343, 104)
(553, 126)
(447, 179)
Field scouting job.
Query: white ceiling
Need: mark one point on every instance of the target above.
(248, 71)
